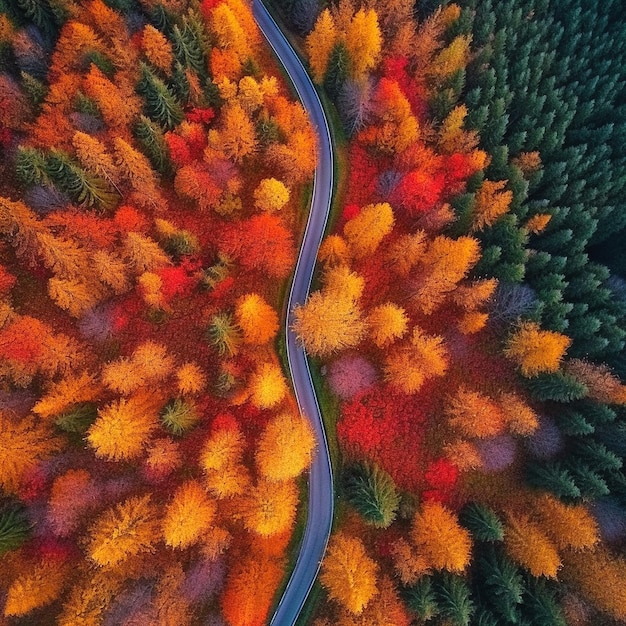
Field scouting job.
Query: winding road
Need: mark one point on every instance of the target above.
(321, 499)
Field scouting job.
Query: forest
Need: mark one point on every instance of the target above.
(466, 326)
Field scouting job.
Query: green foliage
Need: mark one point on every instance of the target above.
(35, 89)
(482, 522)
(40, 13)
(552, 477)
(589, 482)
(159, 102)
(14, 527)
(83, 188)
(372, 492)
(101, 61)
(190, 43)
(152, 142)
(540, 605)
(454, 599)
(31, 166)
(337, 71)
(180, 244)
(85, 104)
(223, 334)
(421, 599)
(179, 416)
(501, 583)
(216, 273)
(78, 418)
(556, 386)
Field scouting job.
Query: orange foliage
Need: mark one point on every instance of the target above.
(519, 417)
(190, 379)
(269, 508)
(250, 589)
(364, 232)
(491, 203)
(408, 564)
(76, 388)
(333, 251)
(528, 162)
(320, 43)
(528, 545)
(285, 448)
(603, 386)
(23, 443)
(474, 414)
(125, 530)
(537, 223)
(223, 448)
(387, 322)
(256, 318)
(157, 48)
(268, 386)
(188, 515)
(534, 350)
(348, 574)
(236, 137)
(439, 538)
(404, 253)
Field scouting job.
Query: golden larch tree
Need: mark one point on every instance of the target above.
(188, 515)
(157, 48)
(269, 508)
(537, 223)
(341, 281)
(387, 322)
(474, 414)
(223, 448)
(73, 389)
(95, 158)
(122, 429)
(405, 252)
(236, 136)
(228, 482)
(472, 296)
(143, 254)
(271, 195)
(24, 442)
(602, 384)
(452, 136)
(320, 43)
(451, 59)
(257, 319)
(333, 251)
(190, 379)
(410, 364)
(492, 201)
(229, 32)
(326, 323)
(535, 350)
(348, 574)
(408, 564)
(364, 232)
(527, 544)
(363, 41)
(440, 539)
(125, 530)
(40, 585)
(268, 386)
(285, 447)
(519, 417)
(569, 526)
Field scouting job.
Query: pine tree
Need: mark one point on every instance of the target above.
(482, 522)
(552, 477)
(178, 416)
(160, 104)
(15, 527)
(454, 599)
(373, 493)
(421, 598)
(150, 138)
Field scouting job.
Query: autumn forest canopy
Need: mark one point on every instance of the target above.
(466, 326)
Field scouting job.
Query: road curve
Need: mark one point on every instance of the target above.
(321, 498)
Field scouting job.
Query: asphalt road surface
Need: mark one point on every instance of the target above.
(320, 514)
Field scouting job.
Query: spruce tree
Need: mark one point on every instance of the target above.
(159, 102)
(421, 599)
(454, 599)
(553, 477)
(482, 522)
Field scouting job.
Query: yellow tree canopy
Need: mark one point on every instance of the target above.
(190, 379)
(535, 350)
(285, 448)
(528, 545)
(440, 539)
(236, 136)
(59, 396)
(268, 386)
(333, 251)
(256, 318)
(125, 530)
(326, 323)
(348, 574)
(269, 508)
(363, 41)
(343, 282)
(229, 31)
(222, 449)
(157, 48)
(492, 202)
(270, 195)
(404, 253)
(386, 323)
(474, 414)
(188, 515)
(320, 43)
(364, 232)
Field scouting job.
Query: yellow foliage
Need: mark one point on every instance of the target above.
(471, 297)
(474, 414)
(285, 448)
(451, 59)
(236, 136)
(125, 530)
(326, 323)
(75, 388)
(231, 480)
(269, 508)
(39, 586)
(270, 195)
(519, 417)
(537, 223)
(463, 454)
(528, 545)
(364, 232)
(363, 41)
(450, 14)
(190, 379)
(229, 31)
(188, 516)
(111, 271)
(151, 293)
(348, 574)
(333, 251)
(534, 350)
(256, 318)
(343, 282)
(569, 526)
(410, 365)
(387, 322)
(23, 443)
(452, 136)
(440, 539)
(404, 253)
(87, 599)
(268, 386)
(408, 564)
(491, 203)
(222, 449)
(93, 156)
(122, 429)
(73, 295)
(320, 43)
(143, 254)
(249, 94)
